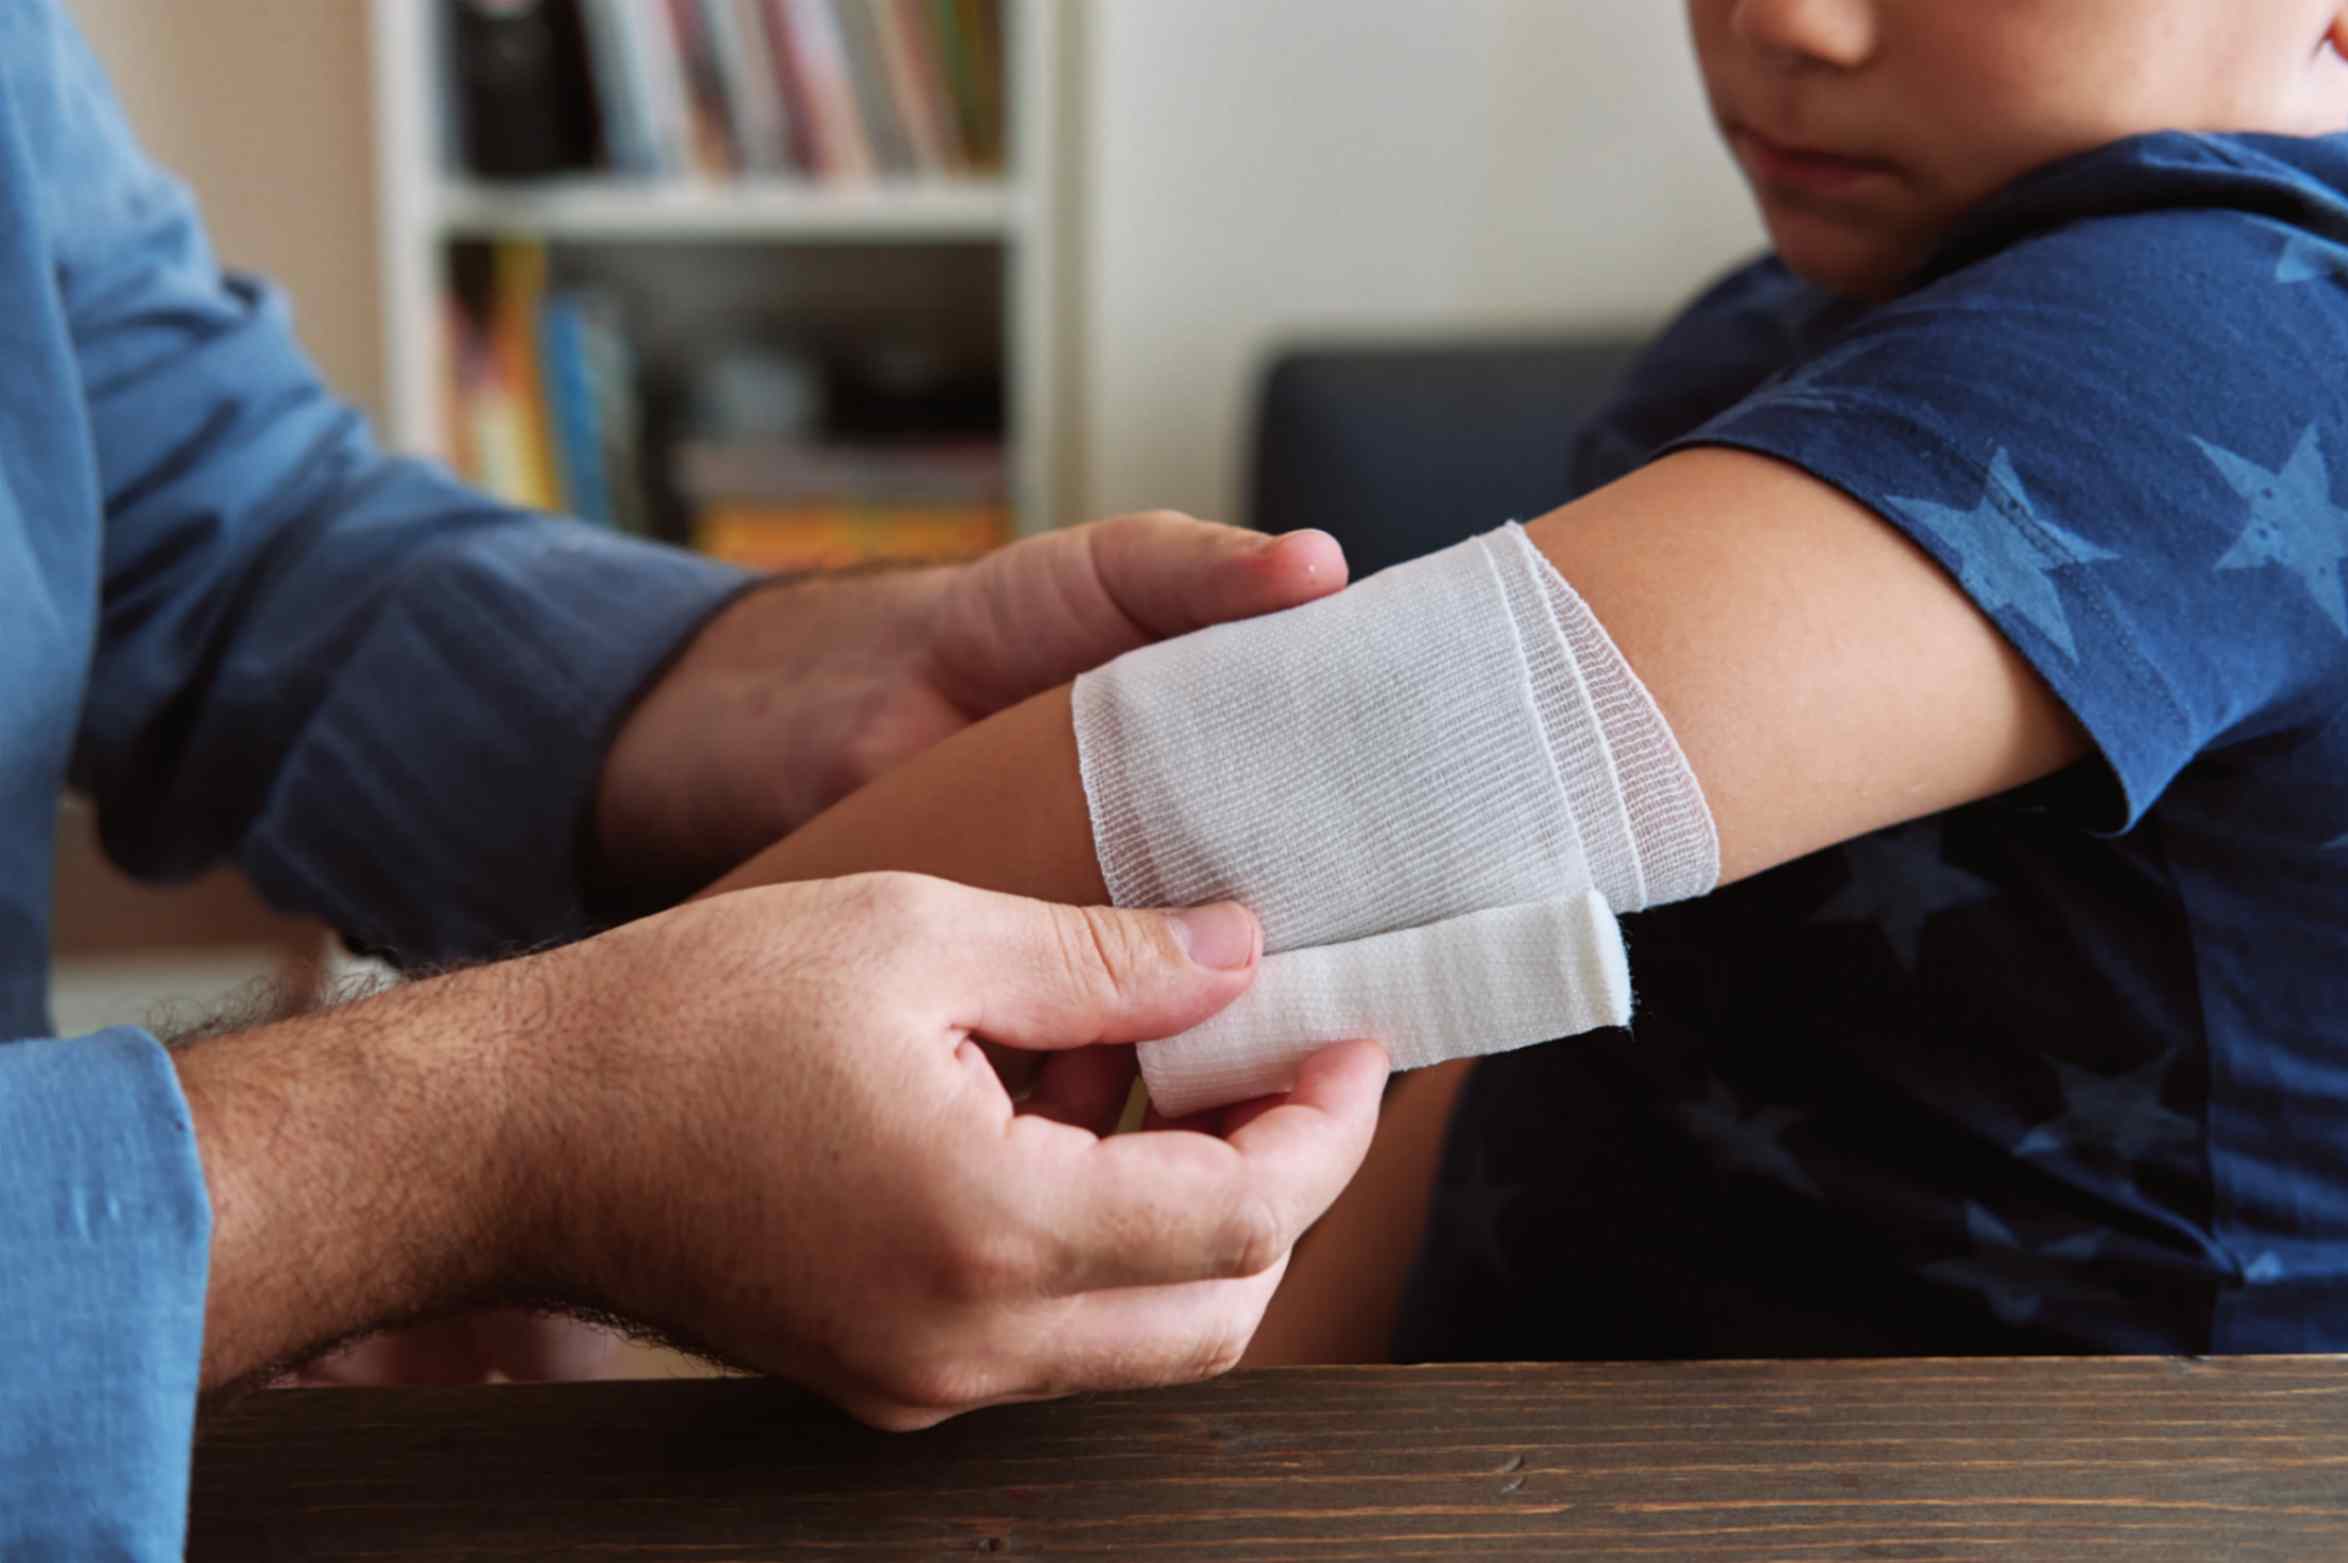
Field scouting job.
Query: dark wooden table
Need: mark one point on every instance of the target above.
(2208, 1461)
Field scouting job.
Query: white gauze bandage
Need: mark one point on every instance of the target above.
(1482, 983)
(1453, 736)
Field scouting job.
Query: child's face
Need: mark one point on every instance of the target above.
(1868, 126)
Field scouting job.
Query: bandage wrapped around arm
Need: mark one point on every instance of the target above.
(1451, 737)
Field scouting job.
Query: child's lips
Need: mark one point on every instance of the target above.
(1802, 168)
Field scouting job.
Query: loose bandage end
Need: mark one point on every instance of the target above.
(1468, 986)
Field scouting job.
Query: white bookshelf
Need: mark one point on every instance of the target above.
(426, 207)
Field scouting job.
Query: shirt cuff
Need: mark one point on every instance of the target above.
(434, 809)
(105, 1236)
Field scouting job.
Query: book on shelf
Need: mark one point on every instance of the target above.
(542, 401)
(750, 94)
(764, 450)
(776, 538)
(710, 128)
(519, 88)
(814, 89)
(817, 504)
(819, 52)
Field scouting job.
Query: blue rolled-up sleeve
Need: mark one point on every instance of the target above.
(105, 1233)
(388, 695)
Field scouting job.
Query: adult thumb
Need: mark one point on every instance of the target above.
(1043, 976)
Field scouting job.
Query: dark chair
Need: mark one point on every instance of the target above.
(1399, 449)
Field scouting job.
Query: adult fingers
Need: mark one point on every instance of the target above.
(1141, 1337)
(1136, 1338)
(1166, 1208)
(1044, 610)
(1171, 575)
(1037, 975)
(1085, 1087)
(1130, 1338)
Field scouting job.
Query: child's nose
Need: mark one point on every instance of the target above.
(1841, 33)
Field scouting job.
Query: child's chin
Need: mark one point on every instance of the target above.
(1848, 265)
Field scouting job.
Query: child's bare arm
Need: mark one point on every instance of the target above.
(1342, 1296)
(1824, 675)
(998, 805)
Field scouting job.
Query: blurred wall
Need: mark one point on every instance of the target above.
(1259, 168)
(264, 107)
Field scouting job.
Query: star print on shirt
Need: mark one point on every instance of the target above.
(2304, 260)
(2293, 522)
(1801, 389)
(2007, 554)
(2118, 1118)
(1476, 1207)
(1749, 1139)
(1990, 1270)
(1900, 880)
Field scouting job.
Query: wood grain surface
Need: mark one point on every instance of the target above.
(2207, 1461)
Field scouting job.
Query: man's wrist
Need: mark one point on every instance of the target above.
(369, 1164)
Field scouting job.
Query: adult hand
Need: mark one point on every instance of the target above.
(850, 1197)
(802, 691)
(762, 1124)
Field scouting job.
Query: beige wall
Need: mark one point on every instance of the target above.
(1261, 168)
(263, 106)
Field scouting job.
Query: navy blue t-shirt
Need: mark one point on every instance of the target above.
(2065, 1070)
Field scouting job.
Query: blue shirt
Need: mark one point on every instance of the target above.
(2065, 1070)
(241, 629)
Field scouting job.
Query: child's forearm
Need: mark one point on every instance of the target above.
(1822, 674)
(1000, 805)
(1343, 1294)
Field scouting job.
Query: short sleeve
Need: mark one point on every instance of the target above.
(2119, 435)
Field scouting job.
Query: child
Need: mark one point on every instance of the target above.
(1982, 550)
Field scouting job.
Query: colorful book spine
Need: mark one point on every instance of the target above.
(527, 478)
(954, 66)
(822, 56)
(807, 152)
(753, 99)
(828, 89)
(868, 69)
(630, 143)
(573, 411)
(835, 537)
(912, 88)
(657, 72)
(982, 27)
(708, 136)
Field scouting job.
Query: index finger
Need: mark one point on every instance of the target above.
(1174, 1206)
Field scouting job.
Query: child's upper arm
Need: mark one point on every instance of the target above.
(2072, 502)
(1825, 676)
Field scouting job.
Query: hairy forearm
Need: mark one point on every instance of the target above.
(365, 1164)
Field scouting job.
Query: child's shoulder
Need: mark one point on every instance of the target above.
(2115, 413)
(2170, 184)
(2168, 223)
